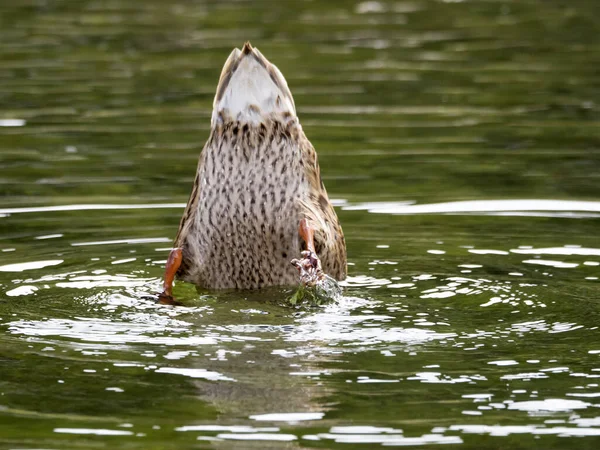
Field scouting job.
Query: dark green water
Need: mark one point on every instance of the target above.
(471, 324)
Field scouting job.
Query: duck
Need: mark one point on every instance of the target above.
(258, 200)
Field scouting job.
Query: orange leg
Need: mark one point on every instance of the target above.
(171, 269)
(307, 233)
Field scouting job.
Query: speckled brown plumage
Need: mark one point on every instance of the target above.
(257, 177)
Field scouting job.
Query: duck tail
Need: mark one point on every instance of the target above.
(251, 89)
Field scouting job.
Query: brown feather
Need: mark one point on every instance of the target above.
(257, 177)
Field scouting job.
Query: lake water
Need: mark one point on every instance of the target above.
(460, 141)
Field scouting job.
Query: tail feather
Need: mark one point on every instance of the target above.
(251, 88)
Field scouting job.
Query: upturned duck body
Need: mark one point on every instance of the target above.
(258, 199)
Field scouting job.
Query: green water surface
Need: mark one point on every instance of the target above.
(460, 141)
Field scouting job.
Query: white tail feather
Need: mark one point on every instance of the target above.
(251, 88)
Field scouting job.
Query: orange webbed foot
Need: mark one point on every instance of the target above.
(309, 266)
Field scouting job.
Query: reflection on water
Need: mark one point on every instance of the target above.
(411, 330)
(533, 208)
(482, 315)
(460, 142)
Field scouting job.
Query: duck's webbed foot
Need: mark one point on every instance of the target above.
(309, 266)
